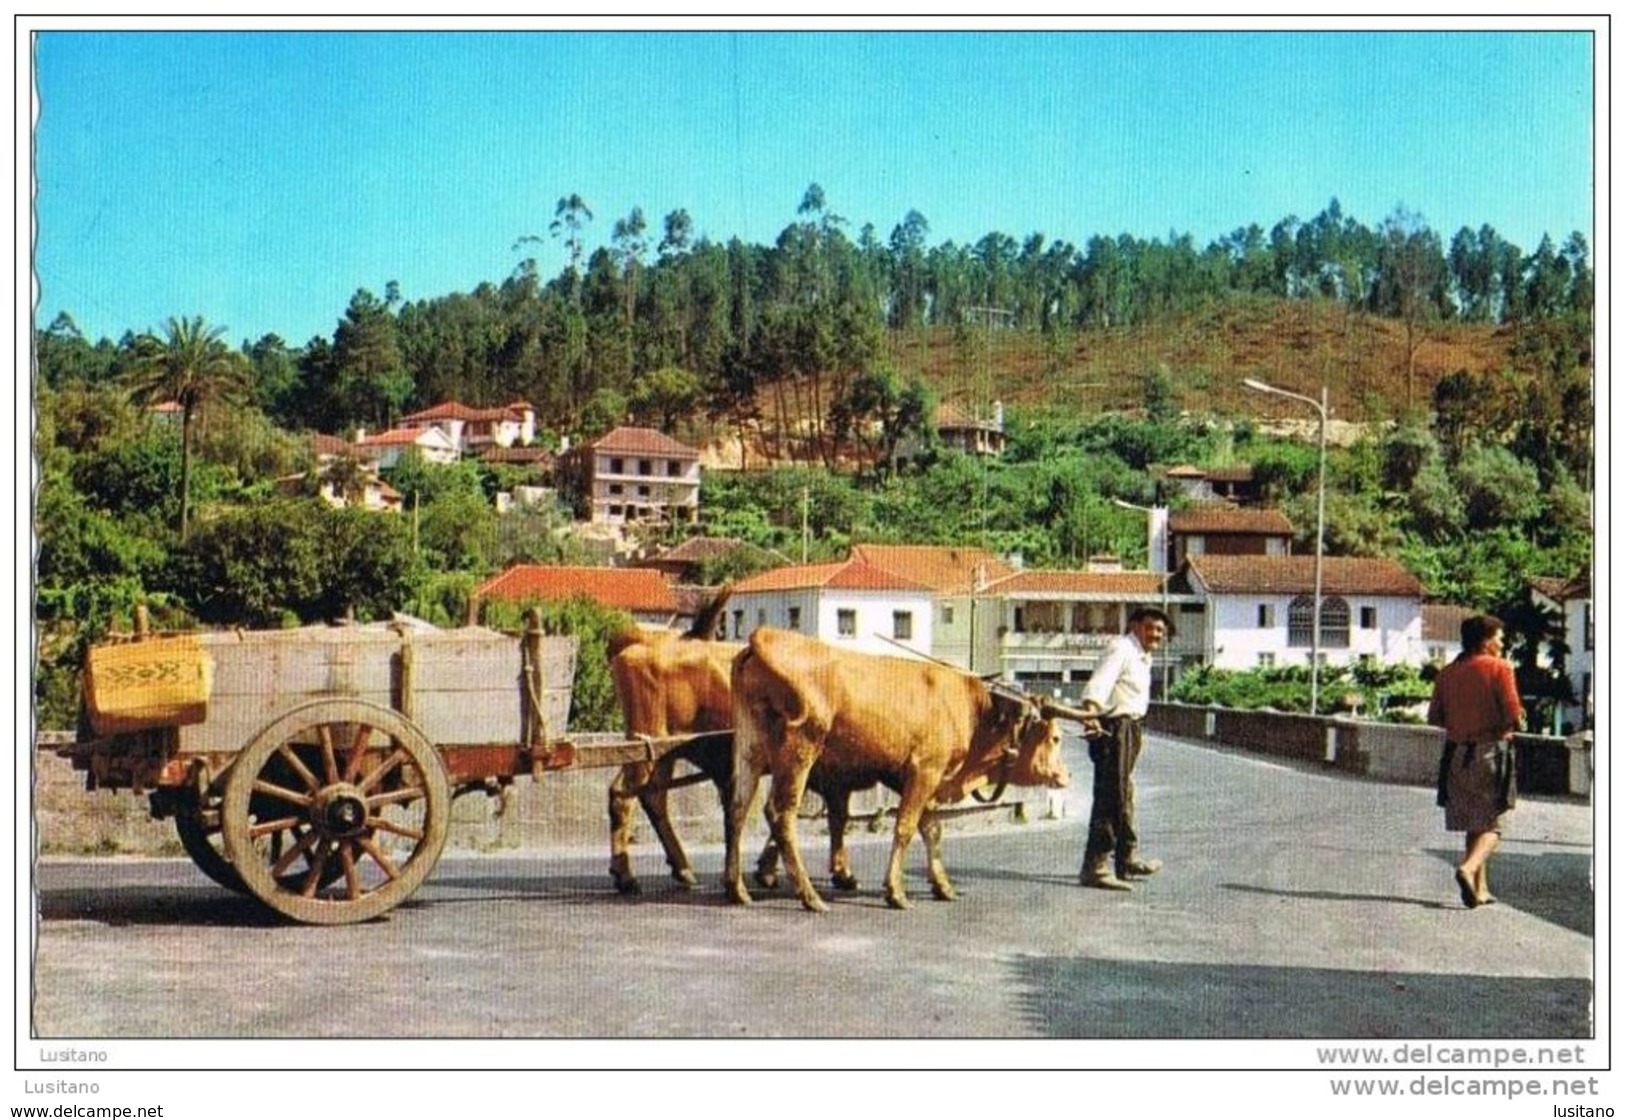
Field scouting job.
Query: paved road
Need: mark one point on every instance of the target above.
(1295, 904)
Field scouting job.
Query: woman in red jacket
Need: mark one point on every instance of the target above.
(1475, 700)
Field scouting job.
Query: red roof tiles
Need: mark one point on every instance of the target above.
(848, 575)
(1072, 583)
(643, 441)
(1223, 519)
(944, 569)
(1295, 575)
(627, 589)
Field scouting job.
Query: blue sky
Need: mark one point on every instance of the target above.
(259, 179)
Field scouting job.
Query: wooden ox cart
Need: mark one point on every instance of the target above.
(315, 768)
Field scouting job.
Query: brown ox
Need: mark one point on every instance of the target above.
(931, 732)
(671, 684)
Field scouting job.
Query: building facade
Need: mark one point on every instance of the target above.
(632, 475)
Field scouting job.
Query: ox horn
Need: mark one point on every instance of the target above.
(1052, 710)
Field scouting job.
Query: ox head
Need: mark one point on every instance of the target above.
(1032, 743)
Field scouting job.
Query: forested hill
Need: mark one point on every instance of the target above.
(830, 326)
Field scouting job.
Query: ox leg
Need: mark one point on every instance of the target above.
(748, 765)
(784, 802)
(936, 869)
(916, 796)
(840, 870)
(654, 797)
(631, 777)
(767, 864)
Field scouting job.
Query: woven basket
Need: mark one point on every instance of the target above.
(159, 682)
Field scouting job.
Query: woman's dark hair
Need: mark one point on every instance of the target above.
(1477, 630)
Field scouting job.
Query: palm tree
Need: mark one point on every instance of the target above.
(191, 366)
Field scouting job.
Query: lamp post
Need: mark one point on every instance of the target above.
(1322, 406)
(1166, 653)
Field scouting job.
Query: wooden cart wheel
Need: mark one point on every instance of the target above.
(336, 812)
(206, 847)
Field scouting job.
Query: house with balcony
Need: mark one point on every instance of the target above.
(851, 604)
(1260, 610)
(956, 576)
(472, 430)
(631, 475)
(1234, 484)
(1050, 628)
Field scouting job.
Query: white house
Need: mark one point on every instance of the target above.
(1572, 599)
(471, 430)
(1441, 631)
(384, 450)
(955, 576)
(1260, 610)
(852, 604)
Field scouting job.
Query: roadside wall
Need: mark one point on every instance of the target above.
(1407, 754)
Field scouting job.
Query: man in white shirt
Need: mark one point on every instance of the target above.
(1120, 690)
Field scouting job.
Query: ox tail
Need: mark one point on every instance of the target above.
(704, 626)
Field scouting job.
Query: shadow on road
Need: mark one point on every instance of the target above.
(1081, 997)
(156, 905)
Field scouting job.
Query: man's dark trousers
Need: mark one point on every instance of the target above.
(1111, 816)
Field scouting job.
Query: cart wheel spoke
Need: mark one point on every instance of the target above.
(383, 770)
(320, 835)
(330, 761)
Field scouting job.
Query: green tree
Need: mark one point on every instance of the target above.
(663, 396)
(367, 362)
(191, 366)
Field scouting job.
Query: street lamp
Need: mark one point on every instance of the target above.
(1166, 652)
(1322, 406)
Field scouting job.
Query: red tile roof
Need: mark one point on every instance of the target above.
(1295, 575)
(1118, 585)
(848, 575)
(1223, 519)
(456, 410)
(330, 445)
(946, 570)
(643, 441)
(391, 438)
(627, 589)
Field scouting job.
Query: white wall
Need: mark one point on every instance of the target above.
(820, 610)
(1237, 639)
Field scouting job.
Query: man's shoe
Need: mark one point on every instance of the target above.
(1106, 881)
(1139, 868)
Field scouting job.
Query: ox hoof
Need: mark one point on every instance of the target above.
(943, 893)
(739, 895)
(899, 902)
(767, 880)
(625, 884)
(685, 879)
(844, 881)
(815, 904)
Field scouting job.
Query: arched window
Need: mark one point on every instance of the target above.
(1334, 622)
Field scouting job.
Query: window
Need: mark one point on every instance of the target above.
(947, 614)
(617, 466)
(643, 491)
(645, 467)
(617, 489)
(795, 618)
(739, 624)
(1266, 616)
(615, 511)
(902, 625)
(761, 616)
(846, 623)
(1368, 618)
(1266, 661)
(674, 469)
(1334, 622)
